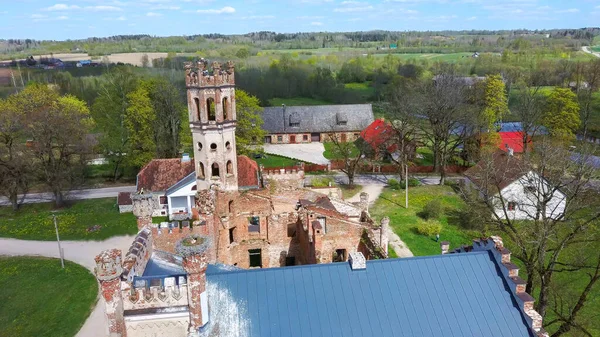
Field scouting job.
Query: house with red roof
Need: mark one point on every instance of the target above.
(513, 140)
(380, 137)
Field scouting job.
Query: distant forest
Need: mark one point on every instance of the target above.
(405, 42)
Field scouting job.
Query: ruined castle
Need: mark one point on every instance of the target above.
(242, 217)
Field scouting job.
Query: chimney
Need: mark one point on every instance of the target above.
(357, 261)
(108, 272)
(185, 158)
(194, 249)
(143, 207)
(445, 245)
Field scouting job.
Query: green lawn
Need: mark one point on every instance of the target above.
(363, 90)
(404, 221)
(330, 150)
(272, 160)
(392, 253)
(76, 222)
(41, 299)
(348, 191)
(427, 156)
(297, 101)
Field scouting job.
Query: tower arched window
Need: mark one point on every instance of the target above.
(215, 171)
(225, 108)
(201, 171)
(197, 106)
(229, 167)
(210, 109)
(230, 206)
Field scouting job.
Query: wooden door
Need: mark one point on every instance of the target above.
(292, 139)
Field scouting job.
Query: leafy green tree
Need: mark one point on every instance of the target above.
(139, 120)
(243, 53)
(109, 111)
(15, 156)
(59, 127)
(495, 104)
(171, 115)
(249, 122)
(561, 114)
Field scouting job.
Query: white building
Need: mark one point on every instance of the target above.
(181, 198)
(515, 191)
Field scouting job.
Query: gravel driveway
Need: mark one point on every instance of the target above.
(310, 152)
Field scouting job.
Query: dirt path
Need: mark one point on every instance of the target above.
(374, 190)
(589, 51)
(81, 252)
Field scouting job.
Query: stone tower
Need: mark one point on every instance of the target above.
(212, 115)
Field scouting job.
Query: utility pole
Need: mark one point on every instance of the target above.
(60, 251)
(406, 180)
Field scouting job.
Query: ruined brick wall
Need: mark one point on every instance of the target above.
(282, 180)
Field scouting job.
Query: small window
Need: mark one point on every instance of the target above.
(290, 261)
(231, 235)
(230, 206)
(228, 145)
(200, 171)
(254, 224)
(163, 200)
(210, 108)
(225, 108)
(215, 171)
(530, 188)
(255, 258)
(342, 123)
(305, 138)
(229, 167)
(512, 206)
(197, 106)
(294, 125)
(213, 147)
(339, 255)
(279, 139)
(199, 146)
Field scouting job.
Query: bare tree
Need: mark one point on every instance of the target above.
(587, 83)
(558, 209)
(351, 155)
(529, 107)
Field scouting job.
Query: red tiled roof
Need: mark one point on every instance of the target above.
(377, 133)
(247, 172)
(513, 139)
(160, 174)
(497, 172)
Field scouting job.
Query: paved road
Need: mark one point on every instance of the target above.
(81, 252)
(589, 51)
(93, 193)
(309, 152)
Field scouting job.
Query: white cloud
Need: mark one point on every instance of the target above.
(570, 10)
(473, 18)
(103, 8)
(310, 17)
(224, 10)
(37, 16)
(120, 18)
(316, 23)
(164, 7)
(258, 17)
(62, 7)
(153, 14)
(353, 9)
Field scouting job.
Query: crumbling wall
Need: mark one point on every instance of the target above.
(282, 179)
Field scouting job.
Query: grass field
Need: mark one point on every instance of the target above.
(404, 221)
(330, 151)
(297, 101)
(364, 90)
(272, 160)
(41, 299)
(348, 191)
(94, 219)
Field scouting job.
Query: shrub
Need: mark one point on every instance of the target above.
(432, 210)
(322, 181)
(429, 228)
(412, 182)
(394, 184)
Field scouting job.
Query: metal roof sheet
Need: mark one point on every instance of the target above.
(317, 118)
(448, 295)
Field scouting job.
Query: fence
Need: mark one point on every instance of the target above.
(368, 168)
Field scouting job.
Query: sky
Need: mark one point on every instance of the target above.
(75, 19)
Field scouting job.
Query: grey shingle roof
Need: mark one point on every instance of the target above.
(317, 118)
(447, 295)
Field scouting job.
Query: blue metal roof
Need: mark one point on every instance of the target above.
(448, 295)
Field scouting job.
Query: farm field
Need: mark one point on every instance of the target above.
(128, 58)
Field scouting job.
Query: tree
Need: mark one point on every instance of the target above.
(587, 83)
(529, 108)
(549, 242)
(495, 103)
(242, 53)
(561, 113)
(109, 111)
(249, 130)
(15, 156)
(145, 61)
(59, 127)
(171, 115)
(352, 155)
(139, 122)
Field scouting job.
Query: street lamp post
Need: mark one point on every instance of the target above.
(60, 251)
